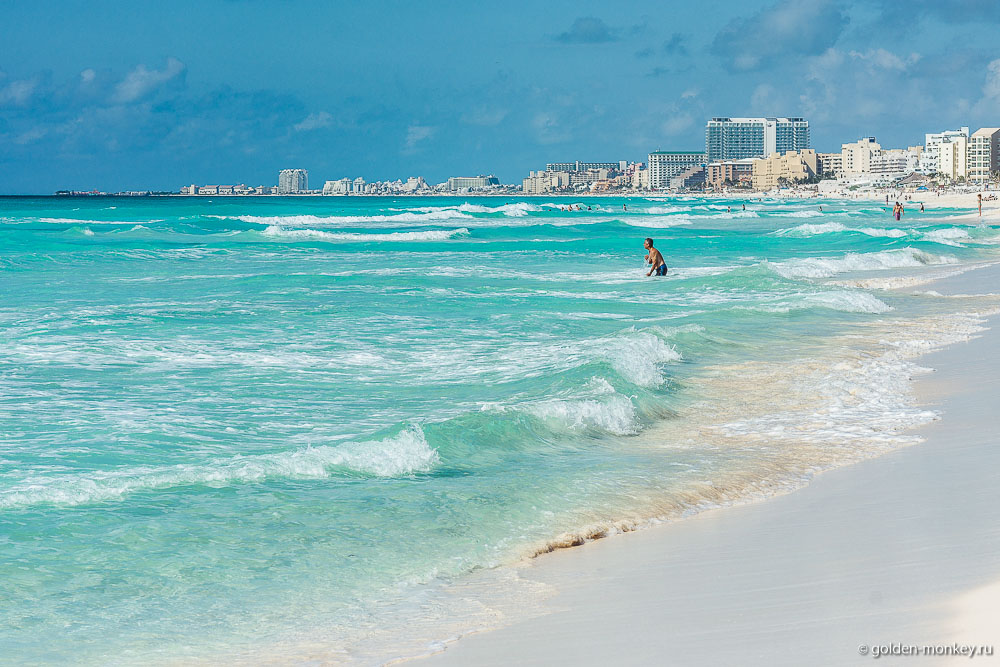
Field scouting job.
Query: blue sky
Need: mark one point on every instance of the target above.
(119, 95)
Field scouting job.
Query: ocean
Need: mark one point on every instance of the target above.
(330, 429)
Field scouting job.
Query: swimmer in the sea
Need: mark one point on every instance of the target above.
(654, 258)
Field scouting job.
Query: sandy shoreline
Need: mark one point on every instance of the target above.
(894, 550)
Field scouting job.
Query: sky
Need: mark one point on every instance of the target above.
(121, 95)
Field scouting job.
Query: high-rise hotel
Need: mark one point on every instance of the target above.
(738, 138)
(293, 181)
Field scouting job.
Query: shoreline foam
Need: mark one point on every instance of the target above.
(586, 602)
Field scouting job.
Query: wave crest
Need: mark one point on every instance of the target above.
(401, 454)
(435, 235)
(825, 267)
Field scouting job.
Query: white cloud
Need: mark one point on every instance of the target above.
(786, 29)
(548, 128)
(484, 116)
(882, 59)
(677, 124)
(314, 121)
(141, 81)
(30, 136)
(18, 92)
(762, 99)
(87, 76)
(991, 89)
(416, 134)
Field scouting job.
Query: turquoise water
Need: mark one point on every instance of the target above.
(226, 424)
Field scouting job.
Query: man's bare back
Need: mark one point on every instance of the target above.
(659, 267)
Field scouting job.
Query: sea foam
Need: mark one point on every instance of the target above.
(825, 267)
(401, 454)
(297, 234)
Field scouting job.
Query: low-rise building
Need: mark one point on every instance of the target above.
(692, 177)
(728, 173)
(829, 164)
(588, 177)
(619, 166)
(784, 168)
(983, 155)
(465, 183)
(895, 163)
(540, 182)
(339, 187)
(636, 176)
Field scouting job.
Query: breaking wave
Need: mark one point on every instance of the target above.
(437, 235)
(825, 267)
(401, 454)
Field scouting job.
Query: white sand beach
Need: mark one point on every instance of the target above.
(899, 550)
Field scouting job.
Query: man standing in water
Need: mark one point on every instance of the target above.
(655, 258)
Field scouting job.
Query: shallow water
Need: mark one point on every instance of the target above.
(230, 423)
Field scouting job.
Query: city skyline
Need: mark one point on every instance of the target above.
(187, 101)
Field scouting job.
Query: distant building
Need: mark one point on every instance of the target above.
(895, 163)
(339, 187)
(784, 168)
(692, 177)
(619, 166)
(930, 161)
(664, 165)
(856, 157)
(953, 157)
(635, 176)
(540, 182)
(588, 177)
(293, 181)
(208, 190)
(462, 183)
(189, 190)
(414, 184)
(829, 164)
(983, 155)
(739, 138)
(730, 172)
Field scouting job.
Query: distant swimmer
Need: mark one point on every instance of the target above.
(624, 207)
(655, 258)
(820, 208)
(979, 197)
(744, 207)
(729, 209)
(921, 207)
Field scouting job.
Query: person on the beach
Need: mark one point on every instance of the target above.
(921, 207)
(979, 197)
(655, 258)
